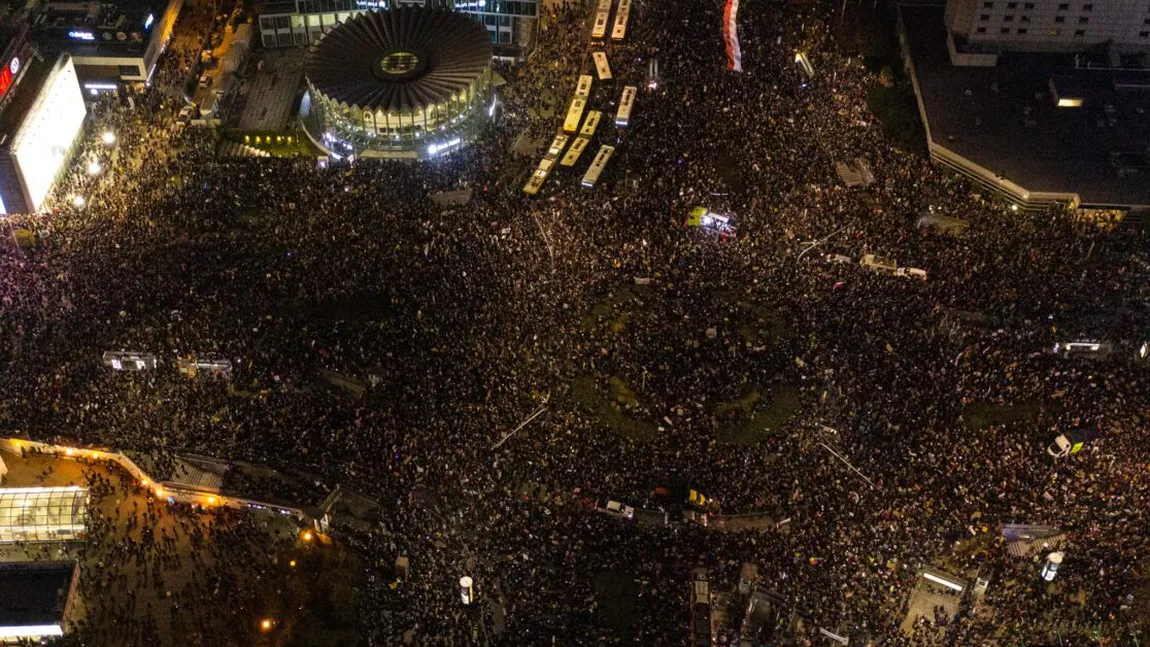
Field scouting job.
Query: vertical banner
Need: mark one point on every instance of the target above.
(731, 36)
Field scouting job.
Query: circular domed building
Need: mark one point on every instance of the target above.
(409, 83)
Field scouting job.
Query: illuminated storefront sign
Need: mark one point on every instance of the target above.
(149, 20)
(51, 125)
(81, 35)
(8, 74)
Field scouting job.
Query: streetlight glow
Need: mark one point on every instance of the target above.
(94, 168)
(108, 137)
(78, 200)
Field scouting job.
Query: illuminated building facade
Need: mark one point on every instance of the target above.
(511, 24)
(110, 44)
(408, 83)
(41, 114)
(43, 513)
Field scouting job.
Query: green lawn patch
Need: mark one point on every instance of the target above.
(616, 594)
(897, 110)
(747, 421)
(616, 307)
(980, 415)
(610, 412)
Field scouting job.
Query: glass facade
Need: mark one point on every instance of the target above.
(509, 23)
(422, 131)
(43, 513)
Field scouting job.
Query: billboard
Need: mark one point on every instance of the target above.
(42, 144)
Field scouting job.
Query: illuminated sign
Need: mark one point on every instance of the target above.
(81, 35)
(149, 20)
(6, 79)
(46, 136)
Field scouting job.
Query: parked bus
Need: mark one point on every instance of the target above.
(626, 103)
(700, 609)
(597, 166)
(602, 17)
(573, 153)
(602, 69)
(583, 88)
(574, 114)
(535, 182)
(619, 30)
(557, 146)
(590, 124)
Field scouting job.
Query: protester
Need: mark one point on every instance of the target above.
(460, 323)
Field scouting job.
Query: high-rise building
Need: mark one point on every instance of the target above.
(996, 26)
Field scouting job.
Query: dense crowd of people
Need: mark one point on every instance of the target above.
(659, 356)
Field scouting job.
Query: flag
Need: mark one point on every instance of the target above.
(731, 36)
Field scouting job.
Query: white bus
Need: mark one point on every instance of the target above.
(597, 166)
(626, 103)
(575, 151)
(574, 114)
(602, 17)
(583, 88)
(590, 124)
(557, 146)
(619, 30)
(602, 69)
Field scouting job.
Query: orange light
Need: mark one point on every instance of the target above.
(144, 482)
(306, 536)
(292, 563)
(266, 624)
(160, 492)
(69, 451)
(95, 454)
(212, 500)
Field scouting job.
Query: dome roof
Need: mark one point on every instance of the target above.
(399, 60)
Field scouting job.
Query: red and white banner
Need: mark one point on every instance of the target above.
(731, 36)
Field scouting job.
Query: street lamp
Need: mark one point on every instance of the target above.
(78, 200)
(108, 137)
(94, 168)
(266, 624)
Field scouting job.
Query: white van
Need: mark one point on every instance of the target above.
(911, 272)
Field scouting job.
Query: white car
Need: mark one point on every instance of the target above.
(187, 113)
(617, 509)
(911, 272)
(838, 258)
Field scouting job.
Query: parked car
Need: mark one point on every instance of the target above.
(838, 258)
(617, 509)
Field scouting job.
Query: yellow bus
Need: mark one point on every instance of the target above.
(602, 17)
(619, 30)
(583, 88)
(574, 114)
(575, 151)
(602, 69)
(535, 182)
(590, 124)
(557, 146)
(626, 104)
(597, 166)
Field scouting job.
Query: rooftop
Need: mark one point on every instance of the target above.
(33, 593)
(1005, 118)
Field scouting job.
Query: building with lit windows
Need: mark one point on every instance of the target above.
(408, 83)
(41, 114)
(511, 24)
(110, 43)
(1033, 128)
(996, 26)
